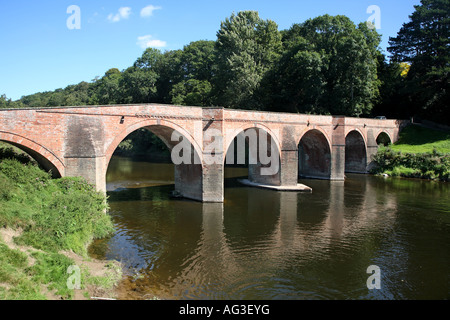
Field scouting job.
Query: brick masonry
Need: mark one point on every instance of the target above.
(80, 141)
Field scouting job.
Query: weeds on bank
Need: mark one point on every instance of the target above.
(62, 214)
(55, 215)
(433, 165)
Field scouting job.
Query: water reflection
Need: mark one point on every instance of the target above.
(262, 244)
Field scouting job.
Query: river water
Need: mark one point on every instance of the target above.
(264, 245)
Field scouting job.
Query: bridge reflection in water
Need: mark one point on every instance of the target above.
(262, 244)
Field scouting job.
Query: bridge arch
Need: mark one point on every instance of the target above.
(383, 138)
(265, 165)
(233, 133)
(314, 155)
(355, 152)
(161, 128)
(43, 156)
(188, 176)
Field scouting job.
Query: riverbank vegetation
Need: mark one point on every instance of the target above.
(420, 153)
(419, 139)
(46, 226)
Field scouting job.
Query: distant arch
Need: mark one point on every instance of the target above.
(314, 155)
(355, 153)
(384, 139)
(46, 159)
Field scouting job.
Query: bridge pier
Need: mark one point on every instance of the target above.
(338, 149)
(213, 189)
(289, 167)
(372, 149)
(213, 162)
(188, 181)
(84, 140)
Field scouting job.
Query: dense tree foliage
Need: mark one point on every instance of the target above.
(424, 43)
(8, 103)
(329, 66)
(246, 49)
(325, 65)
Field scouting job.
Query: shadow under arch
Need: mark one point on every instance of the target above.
(384, 139)
(355, 153)
(45, 158)
(255, 147)
(314, 155)
(188, 173)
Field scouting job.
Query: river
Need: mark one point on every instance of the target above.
(265, 245)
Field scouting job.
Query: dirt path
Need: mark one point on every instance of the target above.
(96, 268)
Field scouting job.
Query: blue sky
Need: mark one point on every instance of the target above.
(38, 52)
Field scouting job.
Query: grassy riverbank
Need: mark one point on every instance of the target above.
(417, 139)
(46, 226)
(420, 153)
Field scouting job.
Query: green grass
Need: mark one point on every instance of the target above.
(419, 153)
(417, 139)
(15, 280)
(61, 214)
(54, 215)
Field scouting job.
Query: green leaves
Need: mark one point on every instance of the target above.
(424, 42)
(8, 103)
(433, 165)
(138, 85)
(192, 92)
(329, 66)
(62, 214)
(246, 48)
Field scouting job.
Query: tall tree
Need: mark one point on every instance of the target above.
(107, 89)
(192, 92)
(5, 102)
(195, 74)
(166, 67)
(138, 86)
(329, 66)
(393, 94)
(197, 60)
(170, 72)
(424, 42)
(246, 48)
(79, 94)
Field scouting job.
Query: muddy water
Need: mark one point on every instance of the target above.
(262, 244)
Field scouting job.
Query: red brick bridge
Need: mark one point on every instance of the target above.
(80, 141)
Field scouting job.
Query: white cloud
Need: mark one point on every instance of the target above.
(124, 13)
(148, 42)
(148, 11)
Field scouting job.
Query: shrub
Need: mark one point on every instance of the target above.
(60, 214)
(432, 165)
